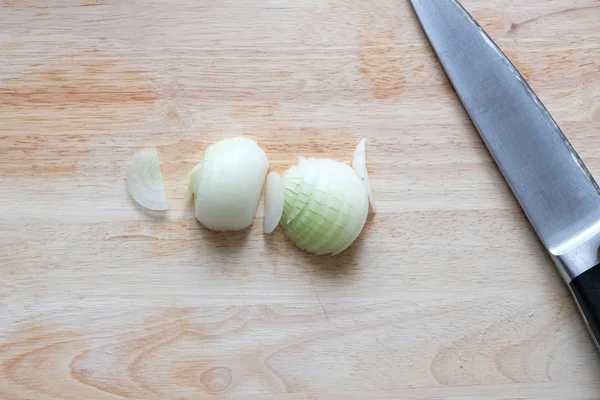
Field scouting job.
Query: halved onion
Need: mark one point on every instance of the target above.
(273, 201)
(228, 183)
(144, 180)
(359, 163)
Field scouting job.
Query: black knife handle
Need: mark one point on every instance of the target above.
(586, 290)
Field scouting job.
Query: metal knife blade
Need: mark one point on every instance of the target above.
(550, 181)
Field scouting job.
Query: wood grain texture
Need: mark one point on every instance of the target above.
(447, 294)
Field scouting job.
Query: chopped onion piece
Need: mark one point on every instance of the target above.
(273, 201)
(359, 163)
(228, 183)
(144, 180)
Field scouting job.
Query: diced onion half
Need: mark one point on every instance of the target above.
(325, 205)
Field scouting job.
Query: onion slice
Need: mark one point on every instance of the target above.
(144, 180)
(359, 163)
(273, 201)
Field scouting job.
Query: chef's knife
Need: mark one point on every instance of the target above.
(553, 186)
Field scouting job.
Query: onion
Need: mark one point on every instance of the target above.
(228, 183)
(359, 163)
(144, 180)
(326, 205)
(273, 201)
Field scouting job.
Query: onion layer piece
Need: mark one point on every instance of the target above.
(144, 180)
(359, 163)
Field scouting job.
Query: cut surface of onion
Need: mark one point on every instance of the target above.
(359, 163)
(193, 182)
(144, 180)
(325, 205)
(273, 201)
(228, 183)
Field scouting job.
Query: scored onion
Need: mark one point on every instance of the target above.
(144, 180)
(325, 205)
(228, 183)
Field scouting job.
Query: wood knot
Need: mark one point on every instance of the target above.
(217, 379)
(173, 112)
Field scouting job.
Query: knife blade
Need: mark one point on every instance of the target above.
(548, 178)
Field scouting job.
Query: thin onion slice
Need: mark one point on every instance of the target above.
(144, 180)
(273, 201)
(359, 163)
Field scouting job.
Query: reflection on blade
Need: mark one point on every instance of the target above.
(548, 178)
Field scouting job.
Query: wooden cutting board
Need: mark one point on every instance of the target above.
(446, 295)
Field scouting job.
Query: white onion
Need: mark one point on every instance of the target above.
(273, 201)
(144, 180)
(326, 205)
(228, 183)
(359, 163)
